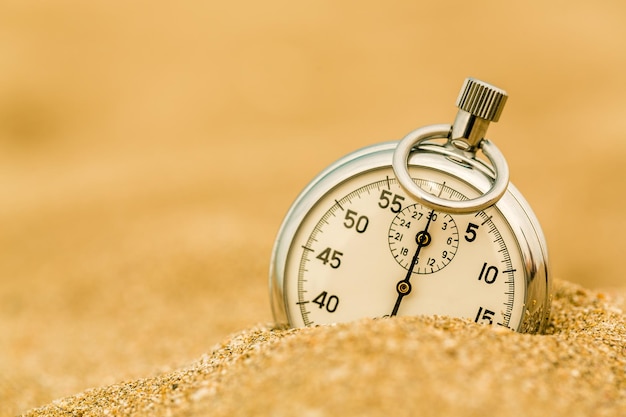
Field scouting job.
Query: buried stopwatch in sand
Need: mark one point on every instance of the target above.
(416, 227)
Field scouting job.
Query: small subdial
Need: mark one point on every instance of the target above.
(438, 246)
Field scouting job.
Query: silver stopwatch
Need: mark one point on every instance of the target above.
(417, 227)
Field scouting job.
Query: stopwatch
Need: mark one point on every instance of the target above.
(428, 225)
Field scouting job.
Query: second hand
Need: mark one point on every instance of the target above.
(403, 287)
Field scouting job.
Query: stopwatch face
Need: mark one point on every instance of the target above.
(365, 248)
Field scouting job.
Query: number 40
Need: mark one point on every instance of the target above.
(330, 302)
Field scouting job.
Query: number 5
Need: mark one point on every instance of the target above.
(470, 232)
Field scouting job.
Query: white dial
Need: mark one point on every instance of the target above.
(366, 249)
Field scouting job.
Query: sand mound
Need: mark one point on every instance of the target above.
(433, 366)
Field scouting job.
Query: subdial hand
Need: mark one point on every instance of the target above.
(403, 287)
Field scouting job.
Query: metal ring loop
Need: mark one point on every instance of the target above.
(415, 138)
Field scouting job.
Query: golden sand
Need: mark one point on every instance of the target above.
(432, 366)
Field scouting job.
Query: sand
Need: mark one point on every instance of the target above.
(432, 366)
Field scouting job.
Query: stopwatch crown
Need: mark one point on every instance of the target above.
(481, 99)
(479, 104)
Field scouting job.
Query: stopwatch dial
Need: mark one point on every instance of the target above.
(353, 251)
(439, 243)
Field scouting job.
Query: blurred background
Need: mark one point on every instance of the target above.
(149, 151)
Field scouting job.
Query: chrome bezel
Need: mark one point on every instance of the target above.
(514, 208)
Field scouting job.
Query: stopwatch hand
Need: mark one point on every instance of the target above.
(404, 287)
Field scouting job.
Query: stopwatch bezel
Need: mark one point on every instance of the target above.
(514, 208)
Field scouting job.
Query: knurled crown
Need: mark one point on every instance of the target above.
(481, 99)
